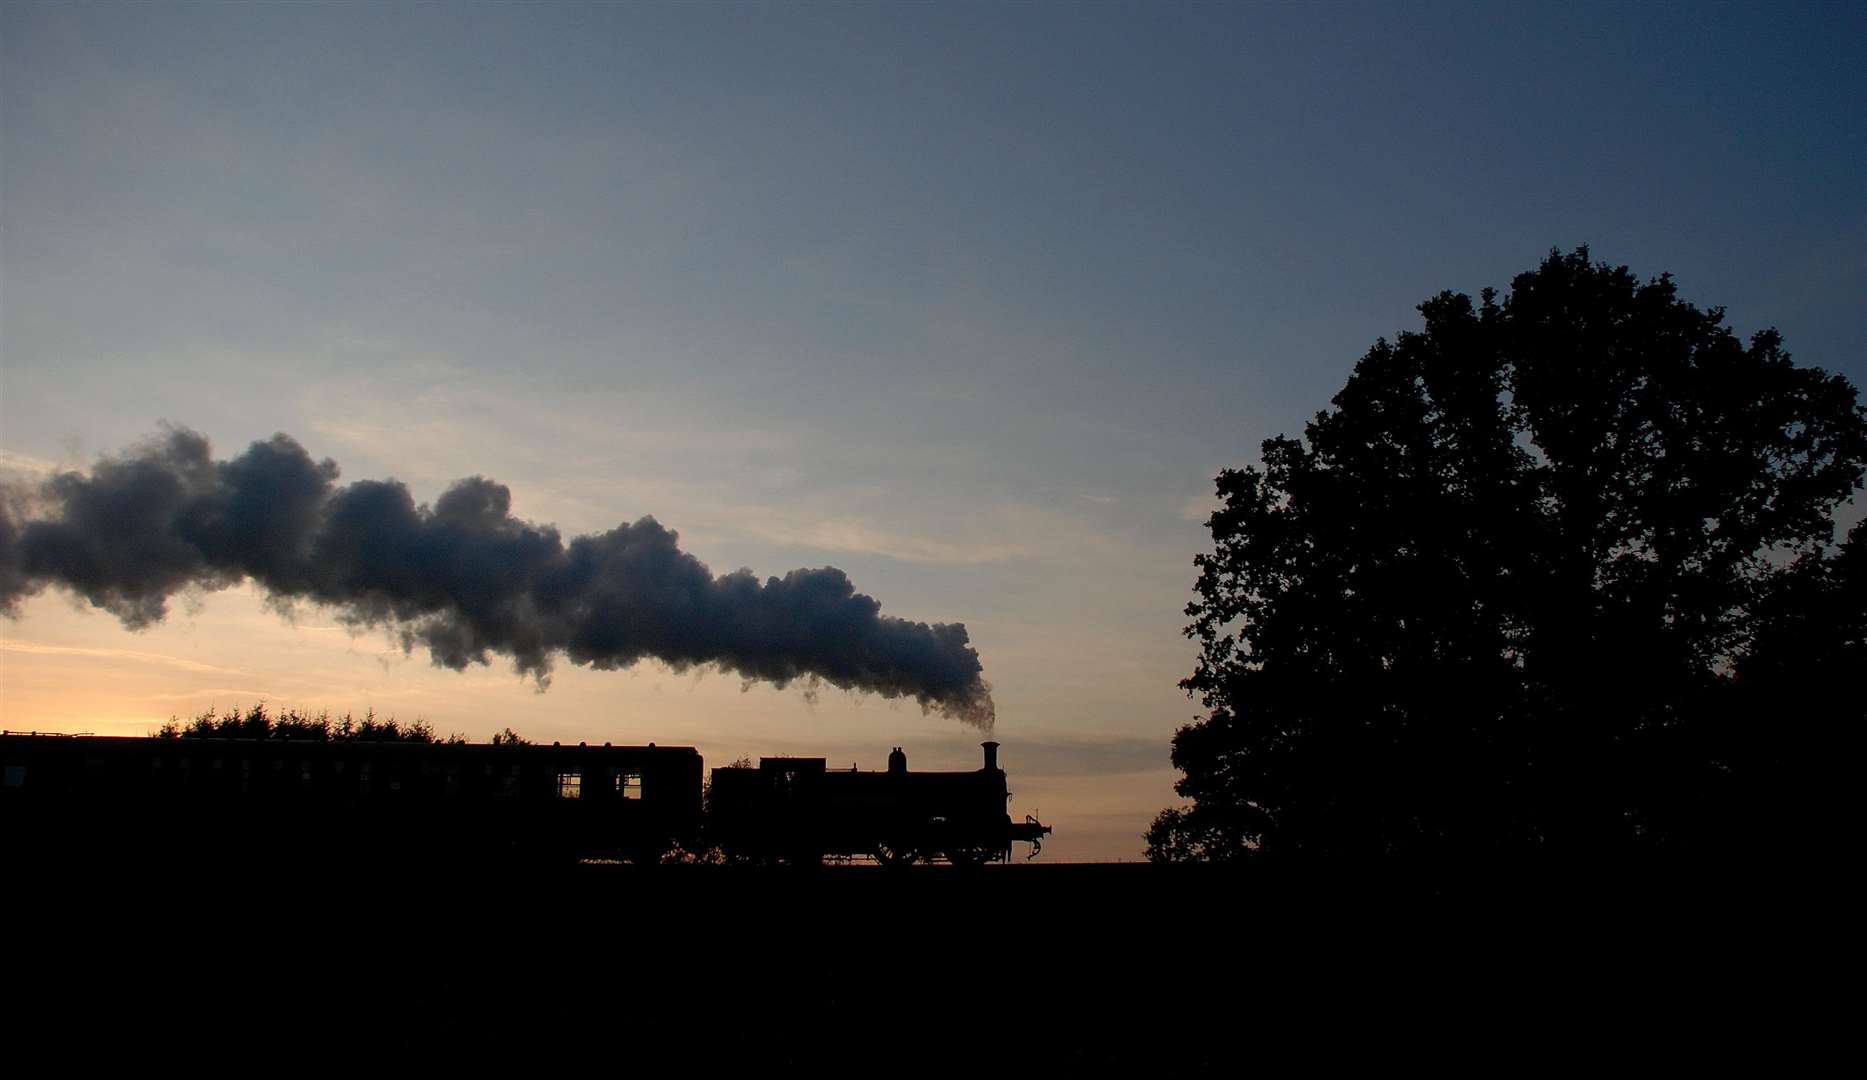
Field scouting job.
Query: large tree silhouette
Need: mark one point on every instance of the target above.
(1503, 595)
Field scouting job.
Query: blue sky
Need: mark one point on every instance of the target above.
(968, 300)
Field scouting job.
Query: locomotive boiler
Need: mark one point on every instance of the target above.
(796, 810)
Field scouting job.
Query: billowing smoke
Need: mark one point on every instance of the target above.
(463, 578)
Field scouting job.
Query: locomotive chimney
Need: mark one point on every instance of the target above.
(991, 755)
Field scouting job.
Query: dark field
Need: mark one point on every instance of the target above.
(1167, 969)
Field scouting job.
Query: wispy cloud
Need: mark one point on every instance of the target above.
(1060, 755)
(26, 463)
(34, 648)
(856, 536)
(429, 422)
(1198, 508)
(225, 696)
(1090, 756)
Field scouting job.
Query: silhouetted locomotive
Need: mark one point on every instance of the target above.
(796, 810)
(105, 797)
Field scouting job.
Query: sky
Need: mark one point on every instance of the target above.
(970, 301)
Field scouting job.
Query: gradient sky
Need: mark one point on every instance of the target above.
(971, 301)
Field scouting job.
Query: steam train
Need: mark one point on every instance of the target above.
(106, 797)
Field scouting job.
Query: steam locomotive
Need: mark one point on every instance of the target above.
(108, 797)
(796, 810)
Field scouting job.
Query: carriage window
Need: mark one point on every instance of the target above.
(570, 785)
(632, 785)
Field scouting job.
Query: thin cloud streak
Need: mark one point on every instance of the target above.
(855, 536)
(27, 464)
(1076, 757)
(33, 648)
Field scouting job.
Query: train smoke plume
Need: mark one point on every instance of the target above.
(463, 578)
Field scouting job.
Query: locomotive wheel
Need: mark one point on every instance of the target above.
(647, 855)
(895, 854)
(966, 856)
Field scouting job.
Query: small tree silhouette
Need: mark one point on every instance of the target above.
(257, 722)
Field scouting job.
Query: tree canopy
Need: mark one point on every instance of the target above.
(1552, 575)
(258, 722)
